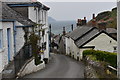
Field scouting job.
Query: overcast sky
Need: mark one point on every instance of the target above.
(75, 10)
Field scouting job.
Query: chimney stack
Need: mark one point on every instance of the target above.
(84, 21)
(94, 21)
(84, 18)
(64, 32)
(81, 22)
(93, 16)
(72, 27)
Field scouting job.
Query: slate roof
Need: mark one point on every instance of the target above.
(79, 32)
(79, 43)
(111, 30)
(37, 4)
(9, 13)
(83, 35)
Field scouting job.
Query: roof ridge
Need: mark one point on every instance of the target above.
(17, 14)
(96, 36)
(86, 33)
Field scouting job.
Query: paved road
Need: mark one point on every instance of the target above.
(60, 66)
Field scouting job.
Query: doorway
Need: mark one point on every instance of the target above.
(9, 43)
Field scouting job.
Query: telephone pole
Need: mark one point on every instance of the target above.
(118, 39)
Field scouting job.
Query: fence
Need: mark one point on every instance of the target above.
(21, 57)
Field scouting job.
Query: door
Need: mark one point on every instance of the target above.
(9, 42)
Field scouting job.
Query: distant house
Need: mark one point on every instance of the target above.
(62, 45)
(61, 42)
(17, 18)
(84, 38)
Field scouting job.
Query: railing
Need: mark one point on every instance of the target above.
(21, 57)
(112, 69)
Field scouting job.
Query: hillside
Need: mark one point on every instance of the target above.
(108, 17)
(50, 19)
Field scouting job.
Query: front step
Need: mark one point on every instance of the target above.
(9, 71)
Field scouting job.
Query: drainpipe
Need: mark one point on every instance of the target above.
(50, 37)
(14, 30)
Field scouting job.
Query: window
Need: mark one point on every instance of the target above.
(115, 49)
(1, 39)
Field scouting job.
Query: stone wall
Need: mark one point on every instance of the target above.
(0, 76)
(95, 69)
(30, 67)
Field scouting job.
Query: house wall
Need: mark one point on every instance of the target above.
(1, 53)
(30, 67)
(62, 46)
(33, 14)
(81, 52)
(44, 20)
(4, 49)
(19, 38)
(73, 49)
(103, 42)
(41, 17)
(67, 42)
(46, 39)
(68, 47)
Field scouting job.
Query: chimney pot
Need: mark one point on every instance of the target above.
(84, 18)
(93, 16)
(64, 32)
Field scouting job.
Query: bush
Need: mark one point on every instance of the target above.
(110, 58)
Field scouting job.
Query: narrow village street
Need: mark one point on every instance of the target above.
(60, 66)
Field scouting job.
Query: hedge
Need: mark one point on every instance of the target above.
(110, 58)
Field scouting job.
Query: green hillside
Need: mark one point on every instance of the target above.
(110, 17)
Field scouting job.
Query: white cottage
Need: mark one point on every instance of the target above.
(15, 17)
(9, 22)
(84, 38)
(37, 12)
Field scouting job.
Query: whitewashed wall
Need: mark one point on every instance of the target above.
(67, 46)
(41, 17)
(32, 14)
(46, 54)
(72, 48)
(19, 38)
(1, 53)
(43, 20)
(102, 42)
(81, 52)
(4, 50)
(30, 67)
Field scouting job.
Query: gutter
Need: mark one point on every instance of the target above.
(25, 26)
